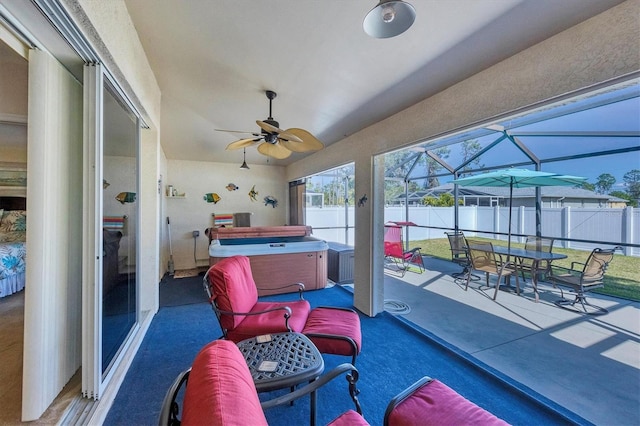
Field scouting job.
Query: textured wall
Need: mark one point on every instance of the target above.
(600, 49)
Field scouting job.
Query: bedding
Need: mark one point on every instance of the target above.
(13, 251)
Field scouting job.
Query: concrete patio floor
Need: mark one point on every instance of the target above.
(587, 364)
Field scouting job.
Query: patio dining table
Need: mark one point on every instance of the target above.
(534, 255)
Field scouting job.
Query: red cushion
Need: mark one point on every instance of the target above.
(437, 404)
(220, 390)
(234, 288)
(349, 418)
(271, 322)
(334, 321)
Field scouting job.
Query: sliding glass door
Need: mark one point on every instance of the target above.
(119, 223)
(111, 218)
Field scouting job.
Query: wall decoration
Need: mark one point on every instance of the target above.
(270, 200)
(126, 197)
(105, 184)
(13, 174)
(232, 187)
(362, 201)
(212, 197)
(223, 220)
(253, 194)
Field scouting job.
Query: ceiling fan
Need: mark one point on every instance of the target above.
(275, 142)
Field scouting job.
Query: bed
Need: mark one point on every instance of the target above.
(13, 251)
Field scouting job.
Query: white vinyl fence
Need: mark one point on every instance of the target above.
(613, 226)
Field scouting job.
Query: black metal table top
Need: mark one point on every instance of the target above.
(281, 360)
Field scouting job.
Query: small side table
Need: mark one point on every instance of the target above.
(282, 360)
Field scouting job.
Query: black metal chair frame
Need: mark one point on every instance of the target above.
(483, 258)
(581, 281)
(460, 255)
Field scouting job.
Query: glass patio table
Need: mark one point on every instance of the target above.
(534, 255)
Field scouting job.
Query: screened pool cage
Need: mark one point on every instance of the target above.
(596, 135)
(593, 135)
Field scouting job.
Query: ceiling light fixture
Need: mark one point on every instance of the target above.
(244, 160)
(389, 19)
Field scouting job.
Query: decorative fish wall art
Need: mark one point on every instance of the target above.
(362, 201)
(232, 187)
(253, 194)
(270, 200)
(126, 197)
(212, 197)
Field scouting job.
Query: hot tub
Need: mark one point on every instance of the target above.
(276, 260)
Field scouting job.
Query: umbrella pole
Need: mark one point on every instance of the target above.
(509, 231)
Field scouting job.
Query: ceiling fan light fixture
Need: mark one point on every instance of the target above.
(244, 165)
(389, 19)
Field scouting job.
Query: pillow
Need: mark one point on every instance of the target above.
(14, 220)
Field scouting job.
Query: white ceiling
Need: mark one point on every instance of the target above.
(213, 60)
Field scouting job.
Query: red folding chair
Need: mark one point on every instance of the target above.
(396, 258)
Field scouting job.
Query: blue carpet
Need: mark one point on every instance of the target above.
(394, 355)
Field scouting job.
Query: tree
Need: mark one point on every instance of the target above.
(604, 183)
(444, 200)
(470, 148)
(624, 196)
(433, 167)
(632, 183)
(586, 185)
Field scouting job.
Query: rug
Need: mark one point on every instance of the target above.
(186, 273)
(394, 355)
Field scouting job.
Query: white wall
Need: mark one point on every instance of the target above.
(197, 178)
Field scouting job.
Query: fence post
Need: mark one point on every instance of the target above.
(566, 226)
(496, 222)
(521, 228)
(627, 230)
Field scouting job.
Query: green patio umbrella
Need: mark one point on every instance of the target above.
(519, 178)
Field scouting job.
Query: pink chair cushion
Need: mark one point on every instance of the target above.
(234, 288)
(349, 418)
(271, 322)
(220, 390)
(334, 321)
(437, 404)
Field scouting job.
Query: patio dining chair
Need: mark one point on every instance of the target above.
(396, 256)
(459, 255)
(483, 258)
(535, 243)
(582, 280)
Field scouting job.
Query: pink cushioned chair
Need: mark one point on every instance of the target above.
(220, 391)
(394, 253)
(234, 299)
(431, 402)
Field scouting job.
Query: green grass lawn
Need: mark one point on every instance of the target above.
(621, 280)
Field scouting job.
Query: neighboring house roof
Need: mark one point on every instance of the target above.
(503, 192)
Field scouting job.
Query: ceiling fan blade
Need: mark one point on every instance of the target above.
(309, 142)
(274, 150)
(237, 131)
(289, 137)
(268, 127)
(242, 143)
